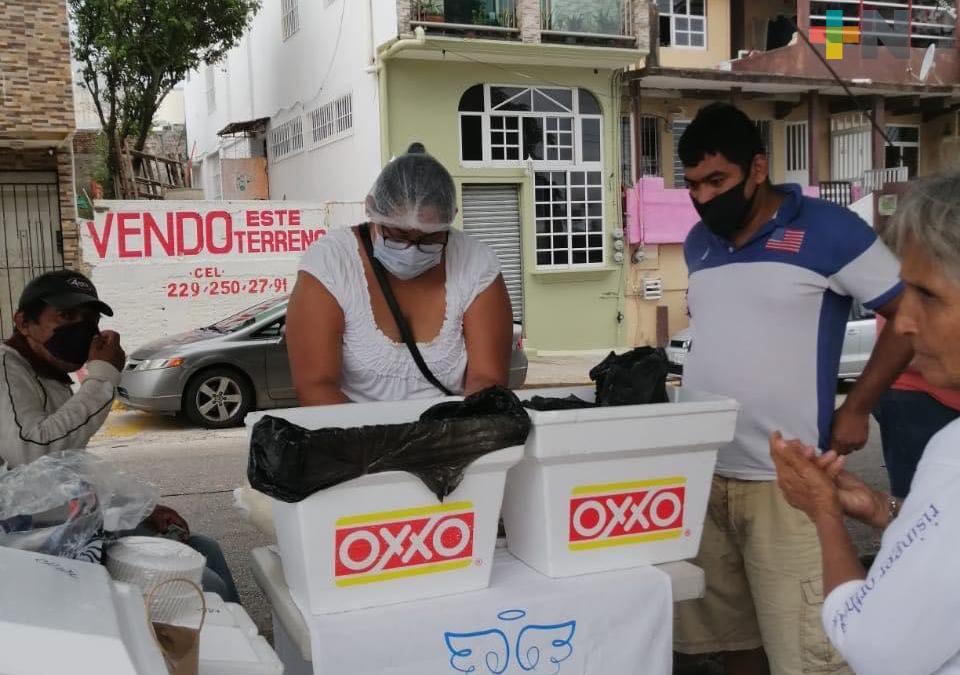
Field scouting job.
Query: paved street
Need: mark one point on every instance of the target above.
(196, 471)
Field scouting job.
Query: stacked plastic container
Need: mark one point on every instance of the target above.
(384, 538)
(615, 487)
(594, 489)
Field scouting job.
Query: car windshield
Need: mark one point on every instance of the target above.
(249, 316)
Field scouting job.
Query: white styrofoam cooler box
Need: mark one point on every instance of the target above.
(384, 538)
(609, 488)
(66, 616)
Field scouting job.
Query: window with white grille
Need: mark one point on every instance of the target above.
(557, 133)
(290, 12)
(211, 85)
(504, 137)
(569, 218)
(683, 23)
(650, 146)
(332, 120)
(286, 139)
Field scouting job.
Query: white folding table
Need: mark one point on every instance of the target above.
(520, 620)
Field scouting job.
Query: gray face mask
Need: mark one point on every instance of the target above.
(405, 263)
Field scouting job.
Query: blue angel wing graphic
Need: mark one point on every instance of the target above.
(541, 649)
(481, 652)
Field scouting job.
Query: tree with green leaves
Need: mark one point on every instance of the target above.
(133, 52)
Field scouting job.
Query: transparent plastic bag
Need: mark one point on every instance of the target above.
(62, 503)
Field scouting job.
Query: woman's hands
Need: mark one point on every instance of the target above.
(821, 487)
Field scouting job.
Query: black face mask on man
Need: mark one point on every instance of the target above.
(726, 214)
(71, 343)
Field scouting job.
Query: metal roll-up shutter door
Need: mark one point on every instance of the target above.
(491, 213)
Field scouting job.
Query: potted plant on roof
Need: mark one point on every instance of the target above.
(430, 10)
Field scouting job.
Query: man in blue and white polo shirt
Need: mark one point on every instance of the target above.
(772, 278)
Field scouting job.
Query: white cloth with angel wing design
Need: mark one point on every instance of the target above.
(524, 624)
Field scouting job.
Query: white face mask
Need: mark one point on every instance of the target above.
(405, 263)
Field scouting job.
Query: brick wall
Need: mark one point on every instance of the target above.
(404, 16)
(528, 18)
(68, 207)
(641, 24)
(36, 92)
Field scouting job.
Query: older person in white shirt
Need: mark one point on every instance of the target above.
(900, 616)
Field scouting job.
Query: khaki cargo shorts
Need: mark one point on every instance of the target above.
(761, 558)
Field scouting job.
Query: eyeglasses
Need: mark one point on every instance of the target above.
(432, 243)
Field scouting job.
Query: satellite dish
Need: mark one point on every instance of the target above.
(927, 62)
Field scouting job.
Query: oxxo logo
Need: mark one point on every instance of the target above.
(382, 546)
(621, 514)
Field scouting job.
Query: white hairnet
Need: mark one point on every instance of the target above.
(413, 192)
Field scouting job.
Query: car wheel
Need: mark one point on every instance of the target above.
(218, 398)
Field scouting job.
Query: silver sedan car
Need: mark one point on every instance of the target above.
(858, 343)
(215, 375)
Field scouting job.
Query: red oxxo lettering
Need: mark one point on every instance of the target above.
(618, 514)
(380, 546)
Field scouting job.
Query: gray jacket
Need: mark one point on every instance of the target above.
(39, 416)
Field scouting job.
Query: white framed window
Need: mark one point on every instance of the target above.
(559, 139)
(904, 147)
(569, 218)
(210, 80)
(683, 23)
(286, 139)
(289, 18)
(212, 164)
(504, 138)
(504, 126)
(560, 132)
(332, 121)
(650, 150)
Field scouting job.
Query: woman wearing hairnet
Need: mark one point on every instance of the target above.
(342, 338)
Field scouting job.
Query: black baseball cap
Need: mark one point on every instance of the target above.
(63, 289)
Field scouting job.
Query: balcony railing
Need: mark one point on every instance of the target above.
(837, 191)
(917, 24)
(485, 16)
(602, 19)
(875, 179)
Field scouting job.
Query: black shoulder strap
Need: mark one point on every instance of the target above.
(398, 317)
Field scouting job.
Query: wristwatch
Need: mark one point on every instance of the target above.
(893, 508)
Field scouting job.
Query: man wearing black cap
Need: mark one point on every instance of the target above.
(56, 333)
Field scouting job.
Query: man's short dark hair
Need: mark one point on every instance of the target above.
(721, 129)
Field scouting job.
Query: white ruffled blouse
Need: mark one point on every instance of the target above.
(375, 368)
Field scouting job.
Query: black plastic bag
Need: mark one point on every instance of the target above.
(546, 403)
(291, 463)
(637, 377)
